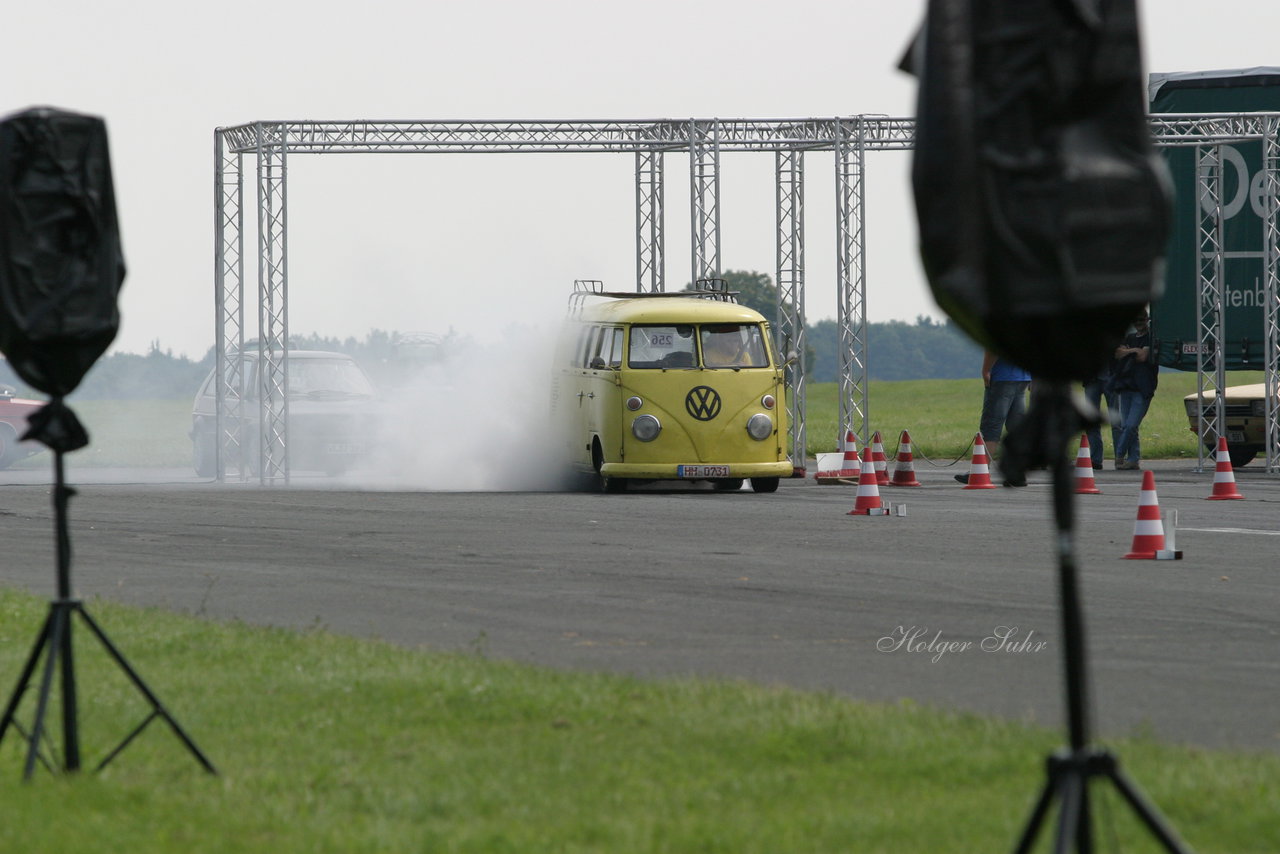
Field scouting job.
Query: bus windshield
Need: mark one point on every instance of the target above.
(662, 347)
(733, 345)
(724, 345)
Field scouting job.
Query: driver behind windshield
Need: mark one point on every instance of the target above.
(733, 346)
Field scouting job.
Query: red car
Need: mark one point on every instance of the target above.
(13, 423)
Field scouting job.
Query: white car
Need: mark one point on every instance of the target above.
(333, 417)
(1246, 420)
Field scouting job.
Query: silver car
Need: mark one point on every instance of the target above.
(333, 418)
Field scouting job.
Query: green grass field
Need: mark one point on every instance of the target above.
(330, 744)
(941, 416)
(129, 433)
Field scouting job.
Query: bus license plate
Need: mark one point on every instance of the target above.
(702, 471)
(1235, 437)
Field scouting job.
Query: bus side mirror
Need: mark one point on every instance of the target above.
(597, 364)
(792, 357)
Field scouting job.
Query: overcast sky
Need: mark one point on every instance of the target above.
(425, 243)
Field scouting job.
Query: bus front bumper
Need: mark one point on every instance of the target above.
(696, 471)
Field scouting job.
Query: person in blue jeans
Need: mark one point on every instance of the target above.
(1133, 381)
(1096, 391)
(1004, 403)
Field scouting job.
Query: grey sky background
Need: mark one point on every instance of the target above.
(470, 242)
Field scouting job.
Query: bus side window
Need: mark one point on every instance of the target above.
(608, 349)
(615, 359)
(599, 353)
(587, 350)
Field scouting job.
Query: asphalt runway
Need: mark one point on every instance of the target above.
(954, 604)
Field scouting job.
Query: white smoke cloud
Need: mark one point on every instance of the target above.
(477, 419)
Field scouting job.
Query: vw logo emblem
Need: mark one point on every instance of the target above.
(702, 402)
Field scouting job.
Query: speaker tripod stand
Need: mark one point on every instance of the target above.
(54, 642)
(1043, 438)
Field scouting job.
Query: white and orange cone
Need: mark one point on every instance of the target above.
(1085, 482)
(1224, 477)
(879, 460)
(1148, 530)
(850, 468)
(868, 501)
(979, 466)
(904, 473)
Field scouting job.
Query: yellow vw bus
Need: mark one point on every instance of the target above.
(670, 387)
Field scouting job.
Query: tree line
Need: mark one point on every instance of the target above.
(160, 375)
(896, 350)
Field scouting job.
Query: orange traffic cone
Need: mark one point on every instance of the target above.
(904, 473)
(1148, 530)
(879, 460)
(979, 467)
(868, 501)
(1085, 483)
(1224, 477)
(851, 468)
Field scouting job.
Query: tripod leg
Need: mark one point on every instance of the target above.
(156, 705)
(25, 679)
(58, 626)
(1038, 814)
(70, 724)
(1084, 826)
(1072, 785)
(1147, 813)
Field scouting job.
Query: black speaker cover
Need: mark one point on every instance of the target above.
(1043, 210)
(61, 265)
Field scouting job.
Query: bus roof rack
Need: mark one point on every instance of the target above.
(709, 289)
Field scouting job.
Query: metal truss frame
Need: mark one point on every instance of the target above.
(650, 220)
(851, 279)
(272, 371)
(1211, 371)
(849, 138)
(704, 198)
(789, 184)
(1209, 133)
(229, 272)
(648, 141)
(1271, 289)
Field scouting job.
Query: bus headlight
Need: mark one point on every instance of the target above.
(646, 428)
(760, 426)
